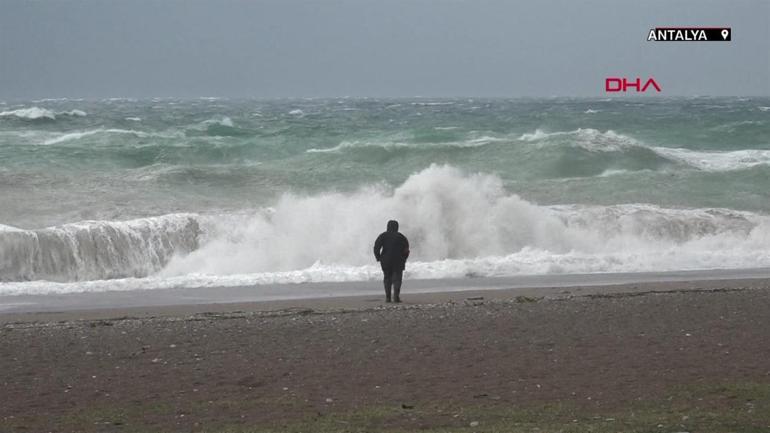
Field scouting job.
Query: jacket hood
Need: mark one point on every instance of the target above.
(392, 226)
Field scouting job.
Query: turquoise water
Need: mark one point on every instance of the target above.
(240, 163)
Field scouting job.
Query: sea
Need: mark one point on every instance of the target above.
(146, 194)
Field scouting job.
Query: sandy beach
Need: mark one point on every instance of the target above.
(657, 356)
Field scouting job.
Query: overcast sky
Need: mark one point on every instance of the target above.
(316, 48)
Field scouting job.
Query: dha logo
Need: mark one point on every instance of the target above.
(614, 84)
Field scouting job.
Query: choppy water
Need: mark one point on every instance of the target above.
(207, 192)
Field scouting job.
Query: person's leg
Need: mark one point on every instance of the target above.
(387, 282)
(397, 276)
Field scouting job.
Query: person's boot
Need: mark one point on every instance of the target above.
(396, 297)
(387, 295)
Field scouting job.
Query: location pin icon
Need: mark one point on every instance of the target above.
(725, 34)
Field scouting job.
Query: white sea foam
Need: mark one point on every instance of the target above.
(717, 161)
(37, 113)
(158, 171)
(344, 145)
(480, 141)
(432, 104)
(91, 250)
(459, 224)
(32, 113)
(46, 138)
(223, 120)
(355, 144)
(134, 119)
(732, 126)
(539, 134)
(764, 108)
(612, 172)
(467, 223)
(609, 141)
(54, 100)
(591, 111)
(76, 113)
(587, 138)
(71, 136)
(296, 112)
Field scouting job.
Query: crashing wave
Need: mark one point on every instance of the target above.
(586, 138)
(717, 161)
(76, 113)
(456, 219)
(609, 141)
(32, 113)
(92, 250)
(74, 136)
(459, 224)
(223, 121)
(389, 145)
(37, 113)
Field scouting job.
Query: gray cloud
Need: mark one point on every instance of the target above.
(243, 48)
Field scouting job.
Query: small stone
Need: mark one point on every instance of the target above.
(474, 424)
(328, 400)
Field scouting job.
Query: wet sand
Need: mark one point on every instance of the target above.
(176, 301)
(438, 361)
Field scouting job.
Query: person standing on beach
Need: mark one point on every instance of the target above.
(391, 249)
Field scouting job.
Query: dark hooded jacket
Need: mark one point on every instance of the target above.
(391, 248)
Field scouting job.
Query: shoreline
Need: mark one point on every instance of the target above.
(187, 302)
